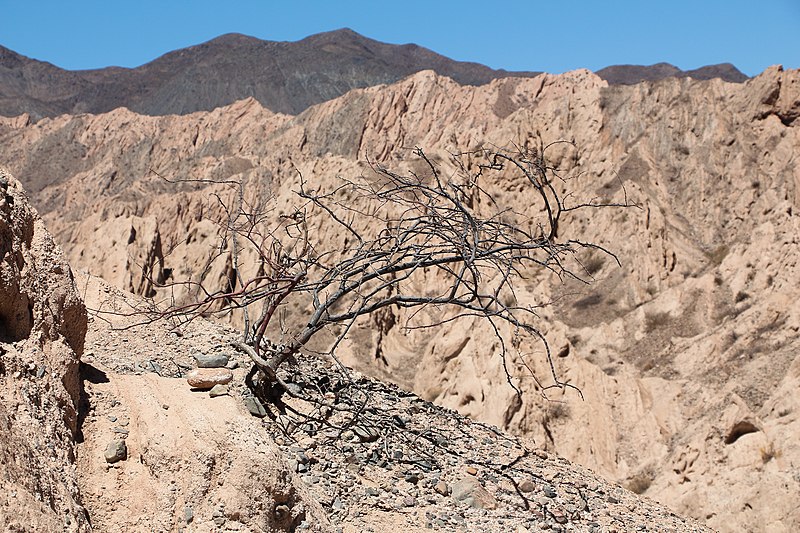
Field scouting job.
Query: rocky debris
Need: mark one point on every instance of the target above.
(436, 469)
(116, 451)
(207, 378)
(42, 328)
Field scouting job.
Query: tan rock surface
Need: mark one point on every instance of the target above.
(694, 337)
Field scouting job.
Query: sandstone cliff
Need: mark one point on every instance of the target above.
(687, 355)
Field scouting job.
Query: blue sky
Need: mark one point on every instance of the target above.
(554, 35)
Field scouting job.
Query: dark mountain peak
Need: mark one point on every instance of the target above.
(632, 74)
(725, 71)
(234, 39)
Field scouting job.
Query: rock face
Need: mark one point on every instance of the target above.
(687, 356)
(42, 328)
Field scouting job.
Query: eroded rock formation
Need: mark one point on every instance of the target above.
(687, 355)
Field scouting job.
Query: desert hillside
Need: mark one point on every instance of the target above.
(687, 355)
(108, 428)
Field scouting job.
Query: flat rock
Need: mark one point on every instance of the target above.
(218, 390)
(206, 378)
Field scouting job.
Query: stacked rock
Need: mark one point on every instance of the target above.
(211, 373)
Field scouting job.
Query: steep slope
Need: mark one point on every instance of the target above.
(686, 355)
(383, 460)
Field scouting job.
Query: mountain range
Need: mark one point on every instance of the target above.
(285, 77)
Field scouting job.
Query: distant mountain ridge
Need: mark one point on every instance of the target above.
(632, 74)
(285, 77)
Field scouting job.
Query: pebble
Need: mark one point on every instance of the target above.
(442, 488)
(116, 450)
(188, 514)
(206, 378)
(526, 485)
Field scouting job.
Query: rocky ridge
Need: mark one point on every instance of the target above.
(285, 77)
(686, 356)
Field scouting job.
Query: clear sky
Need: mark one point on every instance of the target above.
(553, 35)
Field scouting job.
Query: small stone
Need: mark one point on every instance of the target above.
(338, 505)
(210, 360)
(112, 418)
(442, 488)
(188, 514)
(116, 451)
(470, 491)
(526, 485)
(549, 491)
(232, 365)
(409, 501)
(121, 431)
(165, 407)
(206, 378)
(472, 471)
(218, 390)
(366, 433)
(255, 407)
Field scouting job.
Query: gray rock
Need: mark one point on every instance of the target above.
(188, 514)
(116, 451)
(210, 360)
(255, 407)
(218, 390)
(366, 433)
